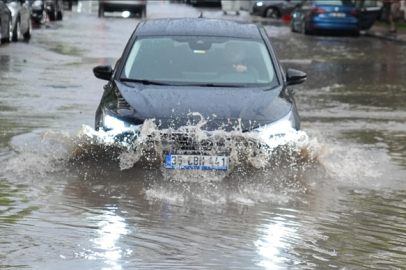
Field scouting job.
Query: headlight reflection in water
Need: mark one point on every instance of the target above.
(111, 228)
(274, 244)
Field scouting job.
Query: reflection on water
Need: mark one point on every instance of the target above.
(274, 246)
(110, 229)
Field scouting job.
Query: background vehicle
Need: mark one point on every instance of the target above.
(195, 3)
(21, 18)
(273, 9)
(314, 15)
(5, 23)
(38, 11)
(54, 9)
(134, 6)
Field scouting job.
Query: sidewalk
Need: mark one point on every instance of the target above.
(381, 30)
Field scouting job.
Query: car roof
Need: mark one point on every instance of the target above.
(198, 27)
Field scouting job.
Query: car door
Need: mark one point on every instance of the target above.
(369, 11)
(25, 13)
(4, 20)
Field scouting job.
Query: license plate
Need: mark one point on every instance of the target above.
(337, 14)
(197, 162)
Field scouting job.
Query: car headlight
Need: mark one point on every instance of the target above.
(278, 128)
(282, 132)
(118, 126)
(260, 4)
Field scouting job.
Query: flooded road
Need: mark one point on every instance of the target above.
(338, 202)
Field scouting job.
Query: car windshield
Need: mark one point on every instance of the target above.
(204, 61)
(348, 3)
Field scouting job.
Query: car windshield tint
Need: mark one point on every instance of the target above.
(203, 61)
(348, 3)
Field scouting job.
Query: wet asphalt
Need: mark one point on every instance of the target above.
(64, 200)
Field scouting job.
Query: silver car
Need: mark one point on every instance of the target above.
(21, 18)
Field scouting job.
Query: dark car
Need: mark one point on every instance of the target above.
(21, 19)
(207, 73)
(54, 9)
(313, 16)
(137, 7)
(6, 23)
(38, 11)
(273, 8)
(41, 10)
(196, 3)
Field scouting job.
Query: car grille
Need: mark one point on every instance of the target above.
(187, 143)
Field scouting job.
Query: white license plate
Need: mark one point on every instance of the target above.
(197, 162)
(337, 14)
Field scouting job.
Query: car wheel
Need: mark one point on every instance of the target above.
(305, 29)
(292, 27)
(101, 11)
(59, 16)
(69, 5)
(52, 16)
(27, 35)
(272, 13)
(16, 31)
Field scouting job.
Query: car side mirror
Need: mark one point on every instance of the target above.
(103, 72)
(294, 77)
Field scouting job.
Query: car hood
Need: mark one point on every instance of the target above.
(221, 107)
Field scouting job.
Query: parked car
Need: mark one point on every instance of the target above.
(6, 23)
(68, 4)
(196, 3)
(54, 9)
(339, 15)
(41, 10)
(38, 11)
(21, 19)
(273, 8)
(134, 6)
(218, 74)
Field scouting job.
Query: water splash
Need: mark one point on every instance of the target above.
(147, 146)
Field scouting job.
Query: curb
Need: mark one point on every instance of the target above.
(383, 35)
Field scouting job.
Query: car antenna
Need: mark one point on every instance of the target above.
(201, 15)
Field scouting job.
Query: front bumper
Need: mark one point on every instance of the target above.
(335, 26)
(37, 14)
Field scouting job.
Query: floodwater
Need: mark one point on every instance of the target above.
(70, 199)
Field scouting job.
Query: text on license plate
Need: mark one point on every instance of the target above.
(197, 162)
(337, 14)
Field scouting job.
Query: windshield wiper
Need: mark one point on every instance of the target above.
(143, 81)
(215, 85)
